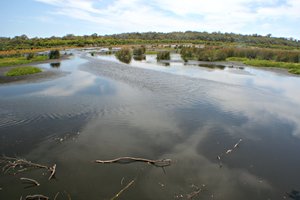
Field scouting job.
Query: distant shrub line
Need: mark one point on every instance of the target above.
(219, 54)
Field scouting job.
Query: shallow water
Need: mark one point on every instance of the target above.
(104, 109)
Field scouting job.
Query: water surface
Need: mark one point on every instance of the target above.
(191, 114)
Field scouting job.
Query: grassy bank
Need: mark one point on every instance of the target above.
(19, 71)
(20, 60)
(293, 68)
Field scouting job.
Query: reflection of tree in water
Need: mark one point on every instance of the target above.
(55, 65)
(294, 194)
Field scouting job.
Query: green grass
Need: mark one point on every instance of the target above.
(293, 68)
(20, 60)
(151, 52)
(236, 59)
(19, 71)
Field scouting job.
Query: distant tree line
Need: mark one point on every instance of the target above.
(215, 38)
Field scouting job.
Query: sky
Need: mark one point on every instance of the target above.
(46, 18)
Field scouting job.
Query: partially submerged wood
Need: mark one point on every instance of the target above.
(17, 165)
(125, 160)
(122, 190)
(30, 181)
(228, 152)
(36, 197)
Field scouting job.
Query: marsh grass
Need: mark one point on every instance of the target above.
(293, 68)
(19, 71)
(20, 60)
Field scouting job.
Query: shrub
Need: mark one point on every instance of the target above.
(137, 51)
(163, 55)
(124, 55)
(54, 54)
(30, 56)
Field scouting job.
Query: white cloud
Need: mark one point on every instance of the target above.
(173, 15)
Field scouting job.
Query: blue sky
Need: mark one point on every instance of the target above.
(45, 18)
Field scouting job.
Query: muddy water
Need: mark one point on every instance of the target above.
(104, 109)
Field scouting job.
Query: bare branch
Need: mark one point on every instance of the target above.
(157, 163)
(36, 197)
(17, 165)
(30, 181)
(121, 191)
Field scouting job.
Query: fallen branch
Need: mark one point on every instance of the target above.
(30, 181)
(52, 170)
(195, 193)
(124, 160)
(56, 196)
(121, 191)
(228, 152)
(36, 197)
(21, 165)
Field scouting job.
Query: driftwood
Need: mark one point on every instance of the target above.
(30, 181)
(36, 197)
(125, 160)
(56, 196)
(121, 191)
(17, 165)
(228, 152)
(195, 193)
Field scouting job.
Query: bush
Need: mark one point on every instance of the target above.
(163, 55)
(30, 56)
(138, 51)
(124, 55)
(54, 54)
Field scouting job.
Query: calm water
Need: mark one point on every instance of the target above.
(102, 109)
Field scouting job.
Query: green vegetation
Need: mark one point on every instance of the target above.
(189, 37)
(10, 61)
(236, 59)
(124, 55)
(163, 55)
(222, 53)
(139, 53)
(151, 52)
(19, 71)
(54, 54)
(293, 68)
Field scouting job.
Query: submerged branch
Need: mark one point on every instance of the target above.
(17, 165)
(228, 152)
(36, 197)
(30, 181)
(124, 160)
(121, 191)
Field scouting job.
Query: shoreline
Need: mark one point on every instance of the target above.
(46, 74)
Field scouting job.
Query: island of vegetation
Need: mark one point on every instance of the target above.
(253, 50)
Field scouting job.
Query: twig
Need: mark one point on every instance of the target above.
(122, 180)
(56, 196)
(121, 191)
(157, 163)
(21, 165)
(30, 181)
(36, 197)
(195, 193)
(53, 170)
(228, 152)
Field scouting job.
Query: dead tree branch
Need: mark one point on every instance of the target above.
(30, 181)
(17, 165)
(36, 197)
(124, 160)
(228, 152)
(121, 191)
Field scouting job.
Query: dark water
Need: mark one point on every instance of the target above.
(104, 109)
